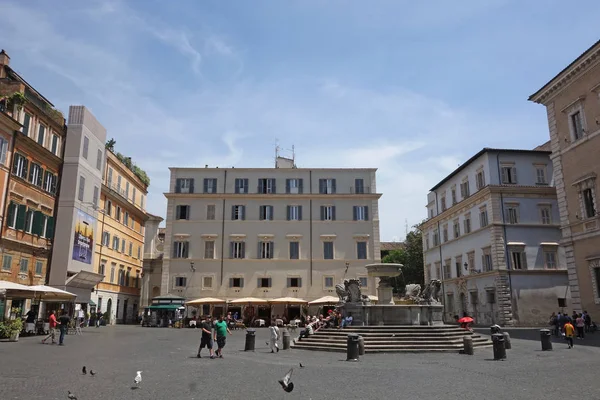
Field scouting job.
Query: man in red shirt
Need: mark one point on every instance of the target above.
(52, 323)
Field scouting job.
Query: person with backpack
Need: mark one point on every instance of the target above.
(569, 333)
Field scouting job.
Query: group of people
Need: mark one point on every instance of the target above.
(63, 325)
(213, 331)
(571, 325)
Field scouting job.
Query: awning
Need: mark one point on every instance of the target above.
(164, 307)
(251, 300)
(15, 290)
(289, 300)
(84, 280)
(205, 300)
(50, 293)
(91, 303)
(325, 300)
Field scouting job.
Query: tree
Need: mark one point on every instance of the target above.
(110, 145)
(412, 259)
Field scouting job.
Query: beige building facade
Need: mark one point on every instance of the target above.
(269, 233)
(572, 100)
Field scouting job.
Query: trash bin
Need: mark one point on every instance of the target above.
(545, 337)
(286, 339)
(352, 347)
(499, 349)
(361, 346)
(250, 339)
(468, 345)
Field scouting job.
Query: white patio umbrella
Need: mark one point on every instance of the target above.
(204, 300)
(288, 300)
(325, 300)
(250, 300)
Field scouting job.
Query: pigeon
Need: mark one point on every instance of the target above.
(138, 378)
(83, 371)
(71, 396)
(301, 366)
(92, 373)
(267, 343)
(286, 382)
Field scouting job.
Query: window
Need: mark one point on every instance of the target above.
(139, 251)
(24, 265)
(105, 238)
(512, 213)
(108, 208)
(142, 199)
(99, 160)
(182, 212)
(359, 186)
(126, 190)
(133, 195)
(209, 249)
(438, 270)
(11, 218)
(109, 177)
(6, 262)
(328, 281)
(112, 274)
(265, 250)
(464, 189)
(266, 213)
(540, 174)
(21, 212)
(118, 213)
(29, 221)
(36, 174)
(41, 134)
(445, 233)
(453, 193)
(436, 237)
(480, 180)
(207, 282)
(364, 281)
(447, 269)
(589, 203)
(328, 250)
(86, 145)
(101, 268)
(443, 201)
(509, 175)
(241, 185)
(293, 186)
(119, 183)
(550, 257)
(456, 228)
(576, 125)
(483, 217)
(238, 213)
(486, 260)
(491, 296)
(263, 283)
(39, 266)
(126, 218)
(327, 186)
(266, 186)
(294, 250)
(81, 188)
(180, 249)
(327, 213)
(294, 213)
(426, 241)
(122, 245)
(26, 124)
(130, 249)
(50, 182)
(184, 185)
(361, 213)
(54, 148)
(467, 223)
(458, 266)
(450, 303)
(3, 150)
(210, 212)
(236, 282)
(180, 281)
(20, 166)
(518, 259)
(95, 198)
(546, 215)
(294, 282)
(115, 243)
(237, 250)
(361, 250)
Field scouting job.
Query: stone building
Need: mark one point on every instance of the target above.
(269, 232)
(492, 237)
(154, 247)
(572, 100)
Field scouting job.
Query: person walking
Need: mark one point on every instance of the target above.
(569, 333)
(274, 329)
(207, 339)
(52, 325)
(580, 324)
(64, 320)
(587, 320)
(98, 318)
(221, 331)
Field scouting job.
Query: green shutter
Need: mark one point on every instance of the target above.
(21, 212)
(50, 228)
(38, 223)
(10, 213)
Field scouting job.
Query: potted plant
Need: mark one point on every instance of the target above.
(10, 329)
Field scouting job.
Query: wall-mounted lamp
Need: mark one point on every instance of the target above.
(192, 266)
(466, 266)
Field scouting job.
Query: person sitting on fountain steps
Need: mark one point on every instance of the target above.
(347, 321)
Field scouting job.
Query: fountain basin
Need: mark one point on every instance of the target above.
(399, 314)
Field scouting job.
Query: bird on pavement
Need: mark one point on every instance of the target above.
(71, 396)
(92, 373)
(83, 371)
(138, 378)
(301, 366)
(286, 382)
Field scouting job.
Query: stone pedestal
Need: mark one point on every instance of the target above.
(385, 292)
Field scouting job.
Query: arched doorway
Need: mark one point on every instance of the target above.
(108, 317)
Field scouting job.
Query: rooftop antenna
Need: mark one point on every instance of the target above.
(276, 151)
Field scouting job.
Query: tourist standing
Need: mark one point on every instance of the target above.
(52, 325)
(221, 331)
(587, 320)
(98, 318)
(206, 340)
(580, 323)
(64, 326)
(274, 329)
(569, 333)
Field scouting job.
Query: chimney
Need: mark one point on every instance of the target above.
(4, 58)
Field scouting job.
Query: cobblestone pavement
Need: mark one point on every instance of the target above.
(30, 370)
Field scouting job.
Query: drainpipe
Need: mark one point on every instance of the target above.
(223, 225)
(310, 230)
(506, 255)
(441, 258)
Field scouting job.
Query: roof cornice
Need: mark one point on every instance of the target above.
(574, 70)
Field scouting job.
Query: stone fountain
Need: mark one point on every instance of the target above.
(417, 308)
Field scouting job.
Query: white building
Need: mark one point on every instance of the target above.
(269, 232)
(492, 237)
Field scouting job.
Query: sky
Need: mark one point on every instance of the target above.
(412, 88)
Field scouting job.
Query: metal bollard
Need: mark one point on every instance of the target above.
(499, 350)
(250, 339)
(352, 347)
(361, 346)
(468, 345)
(286, 339)
(545, 337)
(507, 344)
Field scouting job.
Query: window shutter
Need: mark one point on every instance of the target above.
(259, 253)
(177, 212)
(15, 163)
(230, 282)
(355, 212)
(50, 228)
(299, 213)
(205, 185)
(40, 177)
(243, 213)
(241, 282)
(31, 174)
(25, 167)
(322, 213)
(271, 249)
(322, 186)
(270, 284)
(333, 213)
(273, 187)
(237, 186)
(514, 174)
(366, 213)
(299, 282)
(11, 213)
(271, 212)
(4, 150)
(177, 185)
(174, 247)
(191, 186)
(231, 249)
(243, 250)
(21, 211)
(288, 212)
(300, 186)
(261, 186)
(289, 282)
(37, 223)
(287, 186)
(258, 283)
(333, 189)
(245, 185)
(232, 213)
(504, 175)
(187, 214)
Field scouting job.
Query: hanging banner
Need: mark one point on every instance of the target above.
(84, 238)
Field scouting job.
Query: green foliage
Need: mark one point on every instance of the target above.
(110, 145)
(412, 259)
(7, 328)
(140, 173)
(16, 99)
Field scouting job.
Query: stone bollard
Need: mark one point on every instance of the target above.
(468, 345)
(499, 350)
(352, 347)
(361, 346)
(286, 340)
(545, 337)
(507, 344)
(250, 339)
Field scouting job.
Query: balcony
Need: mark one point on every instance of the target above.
(360, 189)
